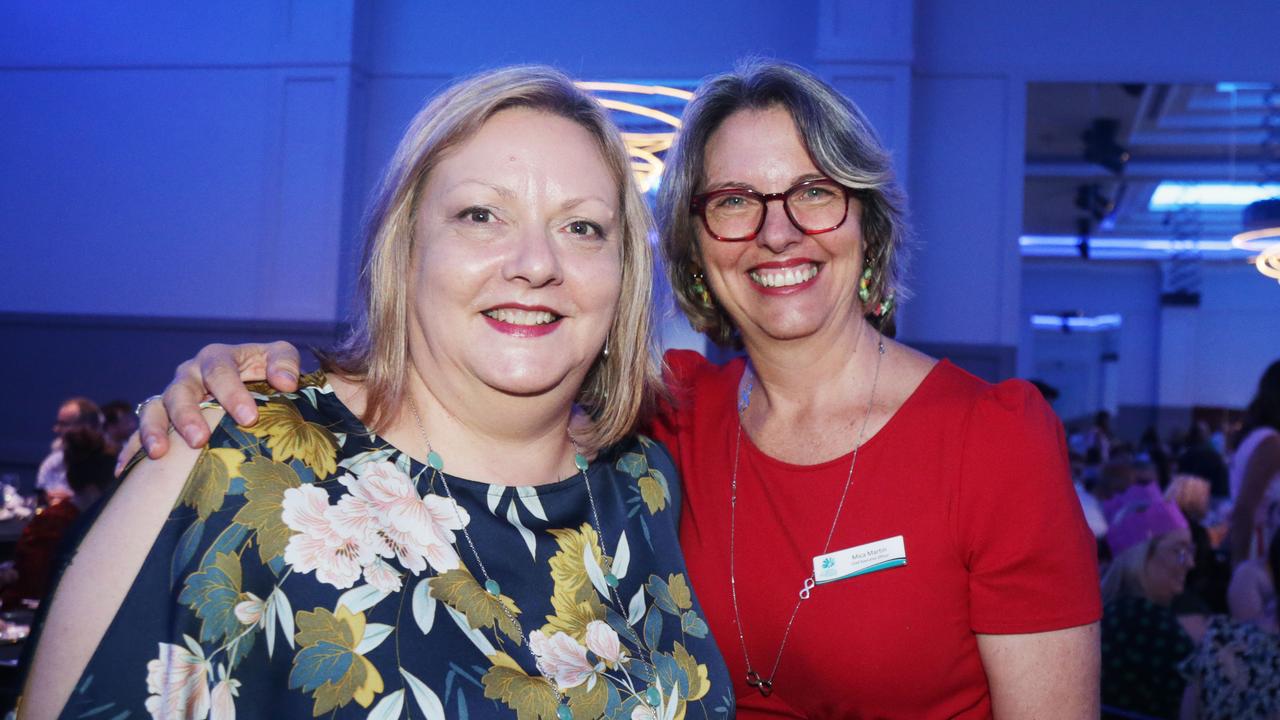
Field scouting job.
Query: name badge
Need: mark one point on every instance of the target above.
(860, 560)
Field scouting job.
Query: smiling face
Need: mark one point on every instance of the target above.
(783, 284)
(517, 261)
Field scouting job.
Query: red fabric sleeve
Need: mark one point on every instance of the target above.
(678, 371)
(1031, 559)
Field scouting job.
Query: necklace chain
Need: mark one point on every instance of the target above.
(436, 463)
(765, 685)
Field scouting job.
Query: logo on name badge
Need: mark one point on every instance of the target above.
(860, 560)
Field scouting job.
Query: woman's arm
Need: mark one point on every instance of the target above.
(1263, 465)
(221, 371)
(1046, 674)
(100, 575)
(1244, 594)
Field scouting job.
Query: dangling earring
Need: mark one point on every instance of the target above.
(606, 345)
(700, 288)
(864, 294)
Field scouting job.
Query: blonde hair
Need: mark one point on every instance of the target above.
(619, 388)
(1191, 494)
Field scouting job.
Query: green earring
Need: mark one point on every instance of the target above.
(864, 285)
(700, 289)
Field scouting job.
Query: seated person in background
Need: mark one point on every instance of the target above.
(118, 423)
(1235, 671)
(1199, 457)
(51, 478)
(1206, 590)
(1142, 639)
(90, 468)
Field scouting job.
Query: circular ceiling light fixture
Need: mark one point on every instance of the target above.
(648, 129)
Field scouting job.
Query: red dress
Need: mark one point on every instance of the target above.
(36, 552)
(973, 476)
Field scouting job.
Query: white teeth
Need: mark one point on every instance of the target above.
(521, 317)
(784, 278)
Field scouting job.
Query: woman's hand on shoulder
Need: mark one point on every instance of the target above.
(220, 371)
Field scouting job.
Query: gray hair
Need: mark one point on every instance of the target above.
(1124, 575)
(843, 145)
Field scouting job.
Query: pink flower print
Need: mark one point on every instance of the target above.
(249, 611)
(382, 576)
(562, 658)
(385, 510)
(222, 700)
(177, 682)
(603, 641)
(336, 558)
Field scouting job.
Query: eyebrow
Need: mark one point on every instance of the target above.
(572, 203)
(502, 191)
(746, 186)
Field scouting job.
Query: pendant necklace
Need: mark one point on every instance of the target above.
(765, 684)
(436, 463)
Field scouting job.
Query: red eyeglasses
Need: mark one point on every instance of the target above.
(737, 214)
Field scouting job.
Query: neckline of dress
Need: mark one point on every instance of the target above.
(907, 406)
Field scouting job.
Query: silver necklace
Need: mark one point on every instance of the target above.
(436, 463)
(765, 685)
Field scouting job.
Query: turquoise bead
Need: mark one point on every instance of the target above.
(491, 587)
(580, 461)
(611, 580)
(435, 461)
(652, 696)
(564, 713)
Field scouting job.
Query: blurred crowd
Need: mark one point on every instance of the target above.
(78, 471)
(1189, 558)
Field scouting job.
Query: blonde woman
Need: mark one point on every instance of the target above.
(428, 523)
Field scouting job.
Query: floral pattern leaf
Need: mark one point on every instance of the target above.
(621, 557)
(672, 683)
(573, 617)
(589, 700)
(530, 542)
(424, 607)
(265, 482)
(634, 464)
(529, 498)
(661, 594)
(594, 573)
(212, 593)
(207, 484)
(568, 569)
(695, 674)
(458, 589)
(476, 637)
(186, 550)
(284, 612)
(374, 634)
(653, 627)
(655, 499)
(635, 609)
(428, 702)
(361, 598)
(328, 664)
(531, 697)
(390, 707)
(290, 436)
(693, 625)
(679, 588)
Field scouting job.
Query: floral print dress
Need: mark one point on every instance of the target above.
(310, 569)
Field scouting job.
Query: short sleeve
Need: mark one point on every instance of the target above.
(1022, 535)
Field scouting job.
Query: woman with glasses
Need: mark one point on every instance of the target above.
(1143, 640)
(873, 532)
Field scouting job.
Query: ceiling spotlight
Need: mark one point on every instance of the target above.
(1101, 148)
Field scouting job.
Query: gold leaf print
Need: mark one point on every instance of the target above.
(458, 589)
(654, 497)
(207, 484)
(265, 481)
(290, 436)
(697, 674)
(680, 591)
(531, 697)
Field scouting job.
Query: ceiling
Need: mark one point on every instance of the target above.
(1201, 133)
